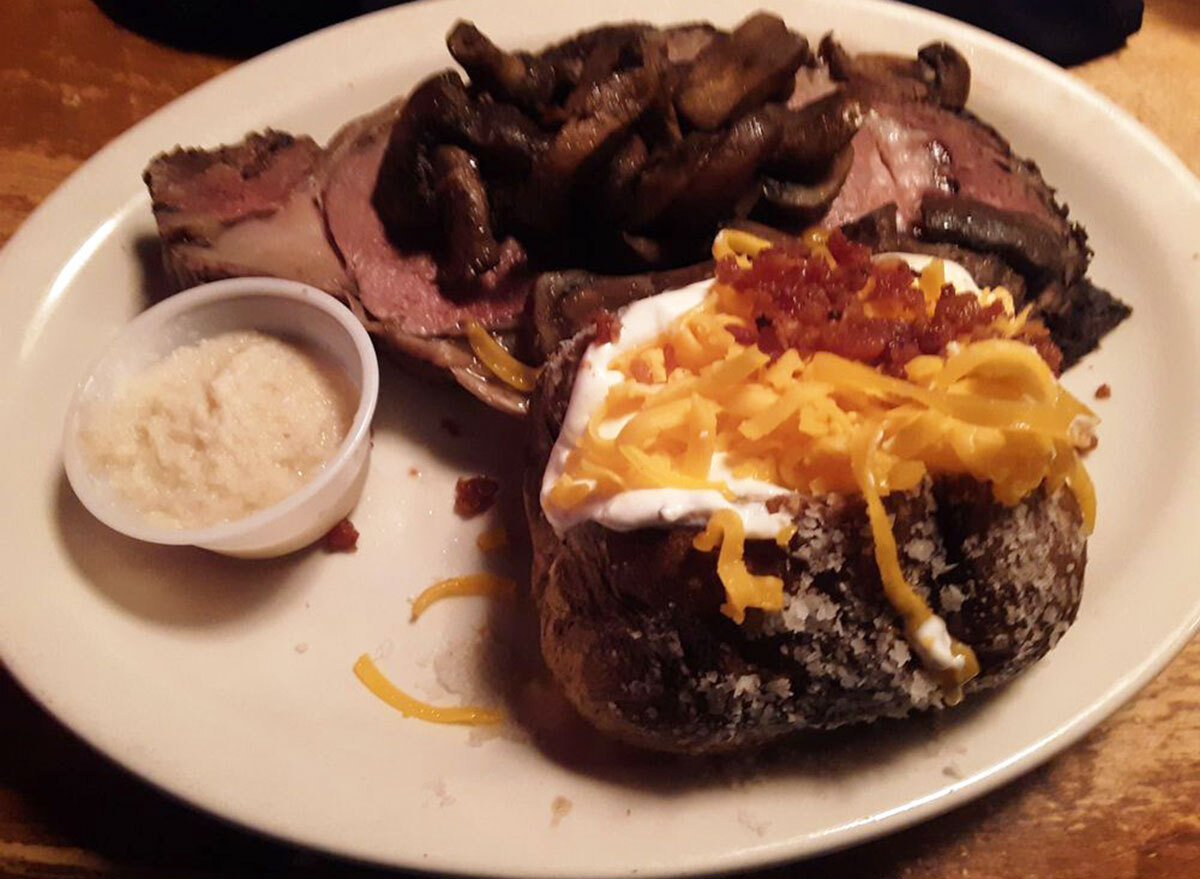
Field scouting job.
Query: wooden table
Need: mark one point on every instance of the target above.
(1123, 803)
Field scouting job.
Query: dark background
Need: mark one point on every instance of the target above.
(1065, 31)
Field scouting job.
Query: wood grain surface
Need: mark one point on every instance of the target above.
(1123, 803)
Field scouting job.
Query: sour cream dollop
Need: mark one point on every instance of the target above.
(642, 322)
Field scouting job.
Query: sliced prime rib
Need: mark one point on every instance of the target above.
(941, 180)
(280, 205)
(919, 173)
(245, 209)
(398, 288)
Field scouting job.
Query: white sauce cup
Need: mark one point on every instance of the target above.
(283, 308)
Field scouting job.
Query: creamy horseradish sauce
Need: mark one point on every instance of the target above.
(219, 429)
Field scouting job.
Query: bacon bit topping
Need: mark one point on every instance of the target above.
(451, 427)
(778, 503)
(1035, 334)
(474, 495)
(743, 335)
(1103, 392)
(670, 359)
(642, 372)
(342, 537)
(859, 309)
(607, 327)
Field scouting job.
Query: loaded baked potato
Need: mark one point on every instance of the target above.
(635, 624)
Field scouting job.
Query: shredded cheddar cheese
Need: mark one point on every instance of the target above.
(913, 609)
(471, 584)
(375, 681)
(496, 357)
(741, 246)
(742, 588)
(694, 403)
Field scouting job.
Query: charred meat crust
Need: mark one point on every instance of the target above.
(630, 623)
(244, 209)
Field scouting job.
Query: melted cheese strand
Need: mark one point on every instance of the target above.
(912, 608)
(742, 588)
(373, 679)
(471, 584)
(741, 246)
(496, 357)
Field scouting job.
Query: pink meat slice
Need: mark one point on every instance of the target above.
(812, 83)
(208, 189)
(397, 287)
(249, 208)
(904, 151)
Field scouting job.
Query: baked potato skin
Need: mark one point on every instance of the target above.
(632, 630)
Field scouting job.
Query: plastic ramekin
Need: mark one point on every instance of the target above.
(285, 308)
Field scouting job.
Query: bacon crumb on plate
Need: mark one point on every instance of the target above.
(342, 537)
(1103, 392)
(607, 327)
(474, 495)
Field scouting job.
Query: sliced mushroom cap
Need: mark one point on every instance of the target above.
(404, 190)
(939, 73)
(565, 302)
(951, 74)
(470, 248)
(504, 139)
(569, 57)
(797, 203)
(606, 114)
(522, 79)
(1025, 242)
(875, 73)
(610, 188)
(737, 72)
(693, 186)
(811, 135)
(440, 111)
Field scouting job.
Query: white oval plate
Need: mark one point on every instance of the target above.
(187, 668)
